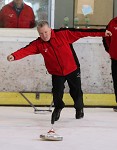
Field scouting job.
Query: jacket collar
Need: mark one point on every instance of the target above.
(52, 34)
(12, 4)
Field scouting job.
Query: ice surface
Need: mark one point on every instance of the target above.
(20, 129)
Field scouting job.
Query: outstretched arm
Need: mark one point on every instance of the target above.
(73, 35)
(25, 51)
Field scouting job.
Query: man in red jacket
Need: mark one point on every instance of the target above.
(17, 14)
(110, 44)
(55, 46)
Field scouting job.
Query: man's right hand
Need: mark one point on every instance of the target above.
(10, 58)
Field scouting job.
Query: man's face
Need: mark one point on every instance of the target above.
(18, 2)
(44, 32)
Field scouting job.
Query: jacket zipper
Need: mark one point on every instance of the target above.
(17, 17)
(56, 58)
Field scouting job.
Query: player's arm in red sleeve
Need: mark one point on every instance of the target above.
(107, 40)
(30, 49)
(75, 34)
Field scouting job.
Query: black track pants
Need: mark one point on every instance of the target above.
(74, 82)
(114, 76)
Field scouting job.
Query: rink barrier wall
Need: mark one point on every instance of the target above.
(45, 99)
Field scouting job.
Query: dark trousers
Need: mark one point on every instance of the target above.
(74, 82)
(114, 75)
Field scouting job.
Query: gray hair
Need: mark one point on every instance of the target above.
(42, 23)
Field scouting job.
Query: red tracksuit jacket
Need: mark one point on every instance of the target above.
(110, 42)
(58, 57)
(10, 19)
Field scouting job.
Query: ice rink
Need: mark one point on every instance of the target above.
(20, 129)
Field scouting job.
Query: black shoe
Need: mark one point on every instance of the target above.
(79, 114)
(115, 108)
(55, 115)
